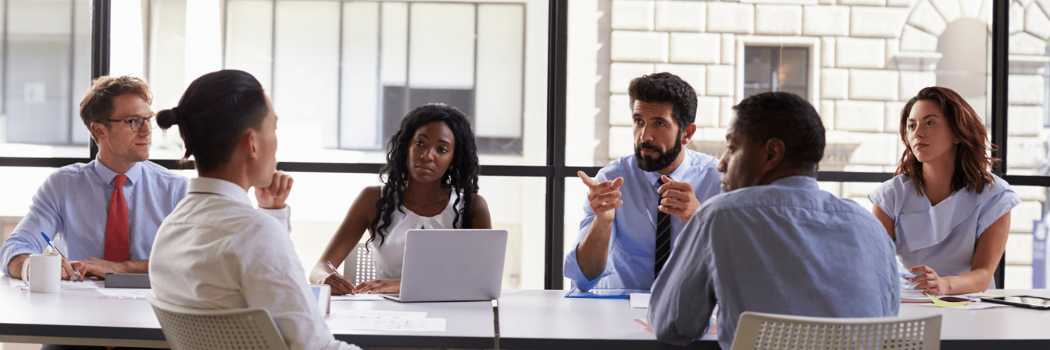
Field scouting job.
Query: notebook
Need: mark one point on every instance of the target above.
(452, 265)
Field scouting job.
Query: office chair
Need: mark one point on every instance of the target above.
(193, 329)
(359, 266)
(769, 331)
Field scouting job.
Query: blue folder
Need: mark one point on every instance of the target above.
(613, 293)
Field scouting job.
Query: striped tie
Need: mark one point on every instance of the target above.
(663, 237)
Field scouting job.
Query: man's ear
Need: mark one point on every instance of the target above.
(688, 133)
(97, 130)
(248, 142)
(774, 153)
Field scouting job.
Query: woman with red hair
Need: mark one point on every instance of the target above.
(947, 214)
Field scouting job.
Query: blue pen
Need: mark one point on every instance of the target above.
(353, 290)
(333, 269)
(48, 240)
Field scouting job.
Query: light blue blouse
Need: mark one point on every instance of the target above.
(943, 236)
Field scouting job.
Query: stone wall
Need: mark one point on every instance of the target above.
(871, 56)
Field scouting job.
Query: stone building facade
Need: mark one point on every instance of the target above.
(865, 59)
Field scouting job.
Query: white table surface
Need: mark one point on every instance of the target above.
(529, 319)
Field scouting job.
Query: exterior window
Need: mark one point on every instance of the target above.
(776, 69)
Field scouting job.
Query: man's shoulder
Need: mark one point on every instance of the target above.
(781, 196)
(70, 173)
(623, 166)
(162, 174)
(700, 160)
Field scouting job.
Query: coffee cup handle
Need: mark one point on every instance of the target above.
(25, 271)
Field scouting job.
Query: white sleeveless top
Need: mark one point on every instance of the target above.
(391, 255)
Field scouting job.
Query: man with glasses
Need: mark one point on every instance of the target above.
(106, 211)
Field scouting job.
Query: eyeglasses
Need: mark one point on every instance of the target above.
(135, 123)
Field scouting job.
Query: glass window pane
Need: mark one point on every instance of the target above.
(500, 73)
(1026, 248)
(306, 74)
(360, 57)
(39, 64)
(1029, 95)
(343, 74)
(441, 46)
(857, 65)
(249, 39)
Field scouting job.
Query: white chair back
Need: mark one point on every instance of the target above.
(761, 331)
(194, 329)
(359, 267)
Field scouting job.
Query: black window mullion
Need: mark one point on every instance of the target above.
(100, 16)
(557, 44)
(1000, 104)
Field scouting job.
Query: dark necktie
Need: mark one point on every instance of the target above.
(663, 236)
(117, 223)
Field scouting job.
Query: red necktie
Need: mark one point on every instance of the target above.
(117, 223)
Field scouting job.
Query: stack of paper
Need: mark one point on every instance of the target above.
(384, 321)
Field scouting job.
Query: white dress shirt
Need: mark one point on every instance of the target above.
(215, 251)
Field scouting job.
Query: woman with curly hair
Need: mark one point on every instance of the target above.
(947, 214)
(430, 181)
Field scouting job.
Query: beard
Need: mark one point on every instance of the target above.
(663, 158)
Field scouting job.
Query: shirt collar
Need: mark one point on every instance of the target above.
(220, 187)
(677, 174)
(106, 174)
(800, 181)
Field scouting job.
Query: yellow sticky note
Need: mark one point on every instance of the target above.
(942, 303)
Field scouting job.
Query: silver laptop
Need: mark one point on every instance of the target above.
(452, 265)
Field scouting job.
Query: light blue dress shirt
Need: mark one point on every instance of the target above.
(632, 238)
(943, 236)
(74, 202)
(785, 248)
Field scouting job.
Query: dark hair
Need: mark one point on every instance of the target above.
(213, 113)
(666, 88)
(972, 161)
(462, 173)
(785, 116)
(97, 103)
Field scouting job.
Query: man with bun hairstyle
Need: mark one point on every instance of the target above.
(107, 211)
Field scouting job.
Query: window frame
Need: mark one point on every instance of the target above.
(555, 171)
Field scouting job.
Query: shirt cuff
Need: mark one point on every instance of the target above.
(283, 215)
(9, 253)
(572, 271)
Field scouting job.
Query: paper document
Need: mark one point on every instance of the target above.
(981, 306)
(412, 325)
(639, 300)
(67, 285)
(125, 293)
(358, 297)
(379, 315)
(913, 296)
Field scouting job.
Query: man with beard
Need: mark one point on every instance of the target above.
(639, 203)
(108, 210)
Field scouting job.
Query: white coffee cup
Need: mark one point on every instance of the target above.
(42, 273)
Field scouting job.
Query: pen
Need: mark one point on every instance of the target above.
(48, 240)
(336, 272)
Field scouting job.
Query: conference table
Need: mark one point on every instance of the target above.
(528, 319)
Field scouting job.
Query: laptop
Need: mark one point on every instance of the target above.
(452, 265)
